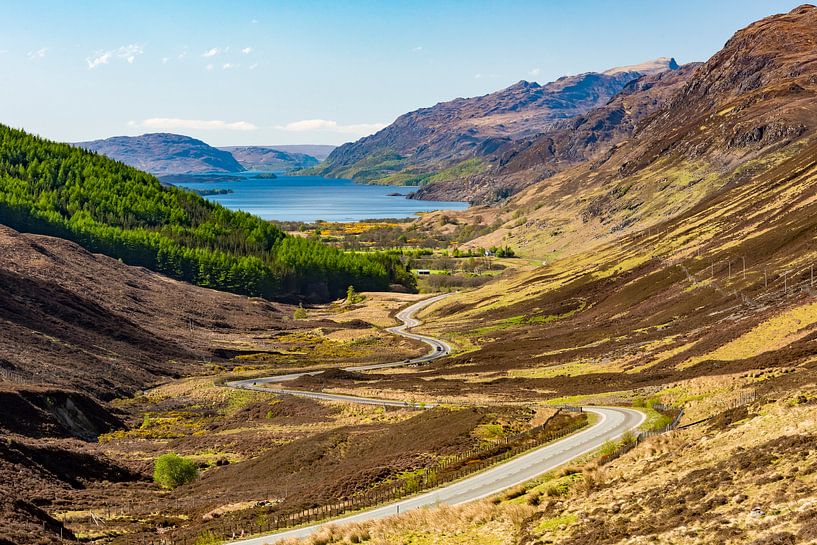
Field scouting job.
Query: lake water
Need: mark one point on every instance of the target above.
(309, 198)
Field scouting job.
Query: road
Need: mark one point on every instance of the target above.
(612, 424)
(439, 349)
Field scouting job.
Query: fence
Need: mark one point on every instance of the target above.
(777, 286)
(741, 400)
(669, 427)
(448, 470)
(627, 447)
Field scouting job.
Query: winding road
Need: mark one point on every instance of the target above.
(438, 350)
(612, 423)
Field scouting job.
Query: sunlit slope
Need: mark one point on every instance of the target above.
(664, 303)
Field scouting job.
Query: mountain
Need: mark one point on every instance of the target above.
(586, 137)
(164, 153)
(269, 159)
(747, 109)
(318, 151)
(428, 140)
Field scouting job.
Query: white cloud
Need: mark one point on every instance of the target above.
(165, 60)
(127, 53)
(254, 21)
(253, 66)
(327, 125)
(211, 52)
(477, 76)
(418, 48)
(534, 71)
(38, 54)
(209, 67)
(228, 66)
(101, 58)
(173, 124)
(247, 50)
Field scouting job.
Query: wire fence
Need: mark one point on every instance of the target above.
(740, 400)
(447, 470)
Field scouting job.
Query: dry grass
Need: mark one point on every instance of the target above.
(692, 487)
(479, 523)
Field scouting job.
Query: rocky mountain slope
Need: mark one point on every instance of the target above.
(431, 139)
(270, 159)
(586, 137)
(750, 107)
(164, 153)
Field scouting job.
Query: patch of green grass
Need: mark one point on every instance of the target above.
(552, 524)
(489, 432)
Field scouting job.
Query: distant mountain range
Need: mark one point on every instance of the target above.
(425, 142)
(164, 154)
(318, 151)
(263, 158)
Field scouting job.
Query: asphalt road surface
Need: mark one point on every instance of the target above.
(612, 423)
(439, 349)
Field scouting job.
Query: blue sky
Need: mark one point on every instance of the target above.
(316, 72)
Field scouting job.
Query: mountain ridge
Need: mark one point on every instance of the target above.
(267, 158)
(428, 140)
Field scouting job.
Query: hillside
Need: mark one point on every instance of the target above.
(62, 326)
(269, 159)
(430, 139)
(748, 108)
(163, 153)
(59, 190)
(686, 254)
(586, 137)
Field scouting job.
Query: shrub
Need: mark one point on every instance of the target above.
(172, 470)
(300, 312)
(207, 538)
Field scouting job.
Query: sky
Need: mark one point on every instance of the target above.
(313, 72)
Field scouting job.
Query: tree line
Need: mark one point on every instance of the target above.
(108, 207)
